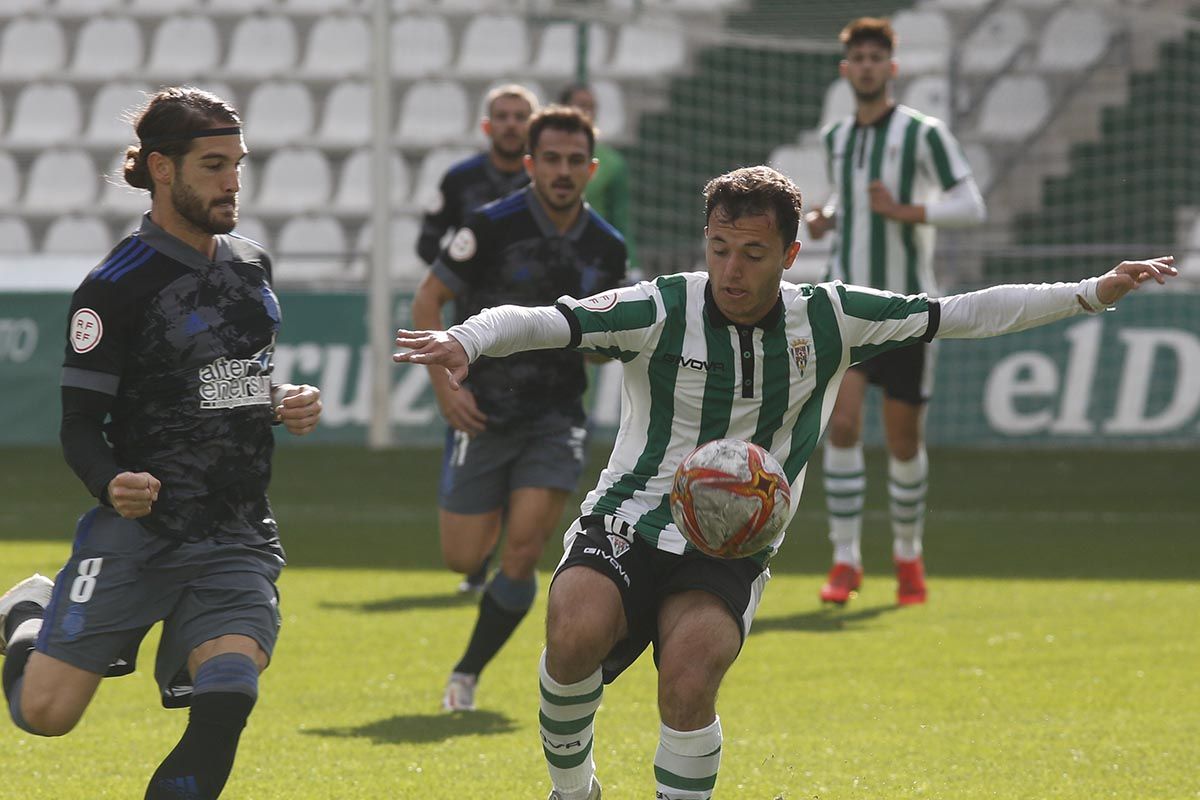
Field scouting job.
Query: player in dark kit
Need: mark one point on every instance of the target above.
(515, 442)
(487, 176)
(168, 407)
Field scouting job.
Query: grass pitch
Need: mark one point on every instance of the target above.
(1056, 657)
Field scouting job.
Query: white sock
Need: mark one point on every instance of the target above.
(566, 720)
(845, 492)
(686, 763)
(908, 482)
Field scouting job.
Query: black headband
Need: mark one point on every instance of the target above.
(155, 141)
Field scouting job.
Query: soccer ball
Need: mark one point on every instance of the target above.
(730, 498)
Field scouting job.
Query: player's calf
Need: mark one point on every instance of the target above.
(225, 690)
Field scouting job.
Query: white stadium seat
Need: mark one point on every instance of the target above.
(805, 165)
(107, 124)
(354, 189)
(280, 113)
(253, 228)
(994, 42)
(313, 235)
(1074, 39)
(610, 109)
(184, 47)
(239, 7)
(15, 238)
(338, 47)
(406, 265)
(61, 180)
(81, 8)
(311, 248)
(15, 8)
(324, 6)
(32, 47)
(155, 8)
(45, 114)
(117, 195)
(980, 160)
(648, 49)
(107, 47)
(75, 234)
(1015, 107)
(434, 166)
(924, 41)
(294, 180)
(262, 47)
(930, 94)
(346, 119)
(839, 102)
(493, 45)
(433, 112)
(10, 180)
(1, 117)
(421, 45)
(557, 52)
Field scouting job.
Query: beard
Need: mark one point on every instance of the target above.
(871, 97)
(192, 208)
(516, 151)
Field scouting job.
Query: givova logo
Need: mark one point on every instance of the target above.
(234, 382)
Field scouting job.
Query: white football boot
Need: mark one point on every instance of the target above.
(593, 794)
(460, 692)
(36, 588)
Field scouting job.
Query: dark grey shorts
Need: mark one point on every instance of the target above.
(480, 472)
(121, 580)
(904, 374)
(645, 576)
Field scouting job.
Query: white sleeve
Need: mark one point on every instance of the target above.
(504, 330)
(960, 206)
(1014, 307)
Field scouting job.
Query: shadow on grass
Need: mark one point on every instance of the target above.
(823, 620)
(423, 728)
(409, 603)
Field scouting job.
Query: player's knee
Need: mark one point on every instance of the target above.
(513, 594)
(44, 714)
(687, 689)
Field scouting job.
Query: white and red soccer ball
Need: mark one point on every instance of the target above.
(730, 498)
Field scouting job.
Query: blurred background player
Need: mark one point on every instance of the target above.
(167, 409)
(475, 181)
(484, 177)
(608, 190)
(515, 443)
(897, 174)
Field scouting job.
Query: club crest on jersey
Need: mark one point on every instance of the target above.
(799, 350)
(86, 330)
(619, 545)
(463, 245)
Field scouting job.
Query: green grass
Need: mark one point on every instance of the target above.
(1056, 658)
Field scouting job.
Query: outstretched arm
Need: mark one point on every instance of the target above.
(494, 332)
(1012, 308)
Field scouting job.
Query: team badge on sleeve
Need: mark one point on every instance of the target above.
(599, 302)
(86, 330)
(463, 245)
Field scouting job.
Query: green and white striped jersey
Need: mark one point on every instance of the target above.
(691, 376)
(917, 158)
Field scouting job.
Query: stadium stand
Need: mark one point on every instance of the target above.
(282, 113)
(77, 234)
(184, 48)
(337, 47)
(426, 43)
(45, 114)
(346, 116)
(32, 48)
(493, 44)
(107, 47)
(15, 237)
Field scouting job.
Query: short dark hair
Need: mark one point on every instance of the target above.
(750, 191)
(868, 29)
(567, 119)
(166, 121)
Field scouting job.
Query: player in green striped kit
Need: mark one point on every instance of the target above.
(734, 352)
(897, 175)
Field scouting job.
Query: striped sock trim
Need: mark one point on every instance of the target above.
(687, 762)
(566, 719)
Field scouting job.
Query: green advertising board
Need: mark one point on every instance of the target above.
(1128, 376)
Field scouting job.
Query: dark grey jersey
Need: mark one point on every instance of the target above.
(184, 345)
